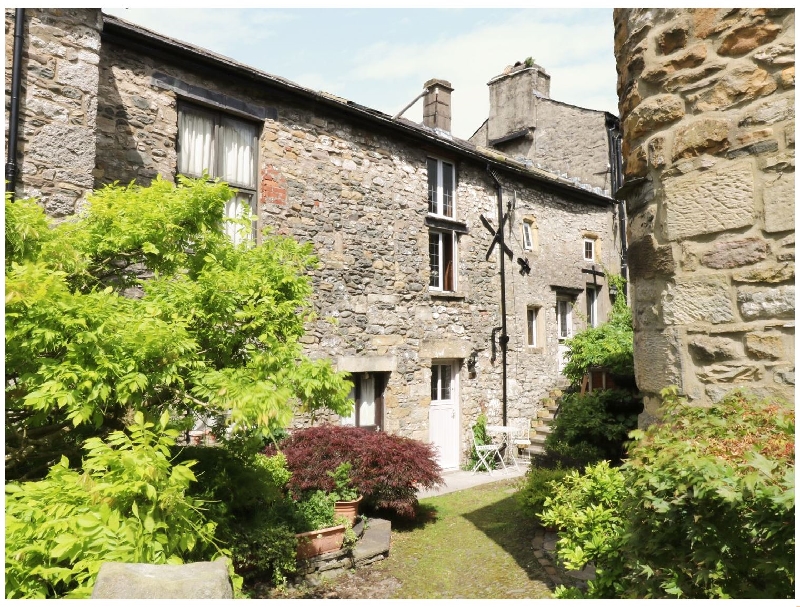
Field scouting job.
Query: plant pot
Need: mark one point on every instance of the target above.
(348, 510)
(320, 541)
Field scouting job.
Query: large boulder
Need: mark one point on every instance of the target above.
(205, 580)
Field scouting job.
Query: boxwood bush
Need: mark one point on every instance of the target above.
(591, 427)
(386, 469)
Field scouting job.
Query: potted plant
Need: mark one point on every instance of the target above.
(321, 530)
(346, 497)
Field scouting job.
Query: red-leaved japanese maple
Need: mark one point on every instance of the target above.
(386, 469)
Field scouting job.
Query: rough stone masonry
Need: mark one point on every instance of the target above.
(707, 111)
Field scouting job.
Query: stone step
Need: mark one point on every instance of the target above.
(545, 415)
(544, 429)
(374, 544)
(538, 439)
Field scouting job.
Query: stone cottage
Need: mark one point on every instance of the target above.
(402, 216)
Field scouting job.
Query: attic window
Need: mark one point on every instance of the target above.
(588, 249)
(441, 188)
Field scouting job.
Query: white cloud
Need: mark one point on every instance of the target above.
(576, 53)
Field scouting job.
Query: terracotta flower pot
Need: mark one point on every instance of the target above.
(348, 510)
(320, 541)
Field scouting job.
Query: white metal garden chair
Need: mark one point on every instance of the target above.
(486, 455)
(521, 441)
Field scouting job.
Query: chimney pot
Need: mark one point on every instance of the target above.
(436, 107)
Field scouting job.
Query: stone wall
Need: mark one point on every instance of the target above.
(58, 104)
(707, 110)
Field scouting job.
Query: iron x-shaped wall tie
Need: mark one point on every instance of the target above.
(497, 236)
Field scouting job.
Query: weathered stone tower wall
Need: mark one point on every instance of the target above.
(707, 111)
(58, 104)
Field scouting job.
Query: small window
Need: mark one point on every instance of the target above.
(532, 327)
(367, 395)
(224, 147)
(527, 237)
(441, 188)
(588, 249)
(564, 318)
(591, 306)
(442, 260)
(442, 378)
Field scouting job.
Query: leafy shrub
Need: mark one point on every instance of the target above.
(586, 510)
(609, 345)
(129, 504)
(245, 496)
(704, 507)
(316, 511)
(386, 469)
(539, 485)
(482, 437)
(713, 501)
(343, 490)
(592, 427)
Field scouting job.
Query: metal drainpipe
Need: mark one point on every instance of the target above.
(503, 333)
(13, 119)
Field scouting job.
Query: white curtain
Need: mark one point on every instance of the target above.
(366, 414)
(237, 151)
(236, 208)
(196, 134)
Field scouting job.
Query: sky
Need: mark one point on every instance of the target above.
(381, 57)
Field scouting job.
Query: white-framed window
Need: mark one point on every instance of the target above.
(441, 188)
(442, 253)
(564, 318)
(442, 382)
(591, 306)
(223, 147)
(589, 249)
(532, 328)
(367, 397)
(527, 236)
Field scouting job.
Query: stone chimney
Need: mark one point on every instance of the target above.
(512, 99)
(436, 108)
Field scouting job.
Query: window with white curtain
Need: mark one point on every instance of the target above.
(225, 147)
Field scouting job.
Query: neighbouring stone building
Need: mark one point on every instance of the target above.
(408, 299)
(708, 118)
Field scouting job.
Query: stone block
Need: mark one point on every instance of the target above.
(710, 202)
(697, 300)
(779, 203)
(781, 53)
(703, 136)
(673, 38)
(647, 259)
(768, 112)
(738, 85)
(445, 348)
(769, 272)
(766, 303)
(729, 373)
(656, 360)
(750, 36)
(735, 253)
(653, 113)
(764, 345)
(786, 78)
(783, 375)
(710, 349)
(656, 153)
(206, 580)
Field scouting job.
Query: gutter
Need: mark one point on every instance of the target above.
(503, 327)
(13, 119)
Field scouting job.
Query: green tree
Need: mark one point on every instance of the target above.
(609, 345)
(141, 303)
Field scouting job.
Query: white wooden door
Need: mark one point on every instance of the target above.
(564, 327)
(444, 413)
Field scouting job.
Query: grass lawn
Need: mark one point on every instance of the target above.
(468, 544)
